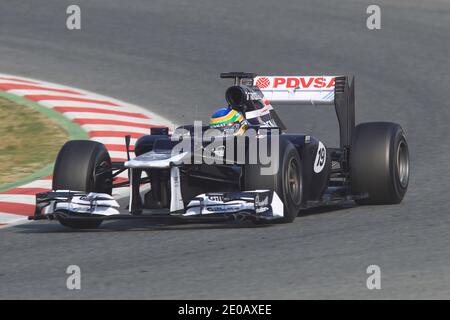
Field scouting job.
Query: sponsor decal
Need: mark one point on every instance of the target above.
(261, 203)
(224, 208)
(263, 82)
(295, 82)
(215, 198)
(253, 96)
(261, 209)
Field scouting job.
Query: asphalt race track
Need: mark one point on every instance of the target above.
(166, 56)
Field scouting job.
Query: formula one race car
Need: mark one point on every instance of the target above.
(264, 175)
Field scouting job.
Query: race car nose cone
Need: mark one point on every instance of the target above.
(156, 160)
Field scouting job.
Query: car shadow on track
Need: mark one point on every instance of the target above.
(133, 226)
(142, 225)
(326, 209)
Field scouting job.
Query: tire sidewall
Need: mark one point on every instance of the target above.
(99, 155)
(292, 207)
(396, 139)
(374, 163)
(275, 181)
(76, 164)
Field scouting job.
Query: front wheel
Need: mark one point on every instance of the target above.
(285, 179)
(83, 165)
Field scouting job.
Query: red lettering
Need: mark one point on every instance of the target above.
(331, 84)
(303, 82)
(306, 84)
(319, 82)
(292, 83)
(278, 81)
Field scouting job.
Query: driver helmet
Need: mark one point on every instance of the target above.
(228, 121)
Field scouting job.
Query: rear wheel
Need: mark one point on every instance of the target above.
(287, 181)
(379, 163)
(83, 165)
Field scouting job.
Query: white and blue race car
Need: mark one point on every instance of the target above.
(227, 176)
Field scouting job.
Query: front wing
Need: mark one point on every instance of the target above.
(246, 205)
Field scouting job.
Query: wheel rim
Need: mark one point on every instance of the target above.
(403, 164)
(293, 182)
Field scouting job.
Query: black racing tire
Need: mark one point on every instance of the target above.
(379, 163)
(83, 165)
(287, 181)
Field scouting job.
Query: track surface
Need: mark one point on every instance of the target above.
(166, 56)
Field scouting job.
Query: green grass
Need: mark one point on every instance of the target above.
(29, 141)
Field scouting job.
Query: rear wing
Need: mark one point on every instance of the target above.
(316, 90)
(297, 90)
